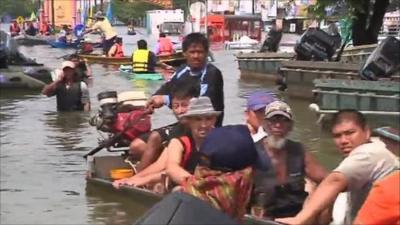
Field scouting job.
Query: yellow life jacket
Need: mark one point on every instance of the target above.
(140, 60)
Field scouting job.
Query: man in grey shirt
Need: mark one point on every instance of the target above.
(365, 162)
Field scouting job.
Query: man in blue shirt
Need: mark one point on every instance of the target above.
(196, 71)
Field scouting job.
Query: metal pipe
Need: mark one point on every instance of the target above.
(315, 108)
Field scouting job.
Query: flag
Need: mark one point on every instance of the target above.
(33, 16)
(109, 13)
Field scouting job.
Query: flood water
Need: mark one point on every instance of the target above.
(42, 170)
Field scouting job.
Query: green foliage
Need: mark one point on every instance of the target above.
(16, 8)
(126, 11)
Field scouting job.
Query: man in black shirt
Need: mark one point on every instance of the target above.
(196, 72)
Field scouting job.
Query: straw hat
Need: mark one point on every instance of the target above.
(99, 14)
(200, 106)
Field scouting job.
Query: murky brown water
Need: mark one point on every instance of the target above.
(42, 169)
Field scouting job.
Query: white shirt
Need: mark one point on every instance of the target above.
(259, 135)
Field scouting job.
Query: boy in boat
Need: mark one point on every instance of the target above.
(117, 50)
(145, 61)
(183, 151)
(151, 145)
(164, 46)
(72, 93)
(282, 166)
(366, 160)
(105, 27)
(197, 71)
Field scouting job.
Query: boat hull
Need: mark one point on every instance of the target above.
(57, 44)
(99, 170)
(369, 97)
(18, 77)
(261, 66)
(28, 40)
(174, 60)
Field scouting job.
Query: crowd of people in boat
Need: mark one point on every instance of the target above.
(29, 27)
(256, 167)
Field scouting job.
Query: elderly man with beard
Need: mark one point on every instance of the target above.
(282, 167)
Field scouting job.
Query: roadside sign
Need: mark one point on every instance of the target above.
(20, 20)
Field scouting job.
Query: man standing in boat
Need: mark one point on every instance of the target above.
(106, 28)
(164, 46)
(145, 61)
(366, 161)
(197, 71)
(72, 93)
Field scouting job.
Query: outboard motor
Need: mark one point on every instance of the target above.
(383, 61)
(122, 115)
(315, 44)
(271, 43)
(107, 112)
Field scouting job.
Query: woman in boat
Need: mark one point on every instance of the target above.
(14, 28)
(183, 152)
(164, 46)
(117, 50)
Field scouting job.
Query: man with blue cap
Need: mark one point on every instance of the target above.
(255, 109)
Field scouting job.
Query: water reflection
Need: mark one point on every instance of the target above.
(67, 129)
(108, 207)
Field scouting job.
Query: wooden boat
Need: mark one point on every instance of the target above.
(263, 66)
(175, 60)
(100, 59)
(99, 170)
(28, 40)
(369, 97)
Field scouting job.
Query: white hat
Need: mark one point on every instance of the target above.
(134, 98)
(200, 106)
(66, 64)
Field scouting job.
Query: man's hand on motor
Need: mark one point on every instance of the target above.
(155, 101)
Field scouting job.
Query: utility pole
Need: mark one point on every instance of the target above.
(52, 15)
(101, 5)
(253, 7)
(206, 19)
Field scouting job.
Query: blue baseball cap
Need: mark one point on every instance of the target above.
(230, 147)
(260, 99)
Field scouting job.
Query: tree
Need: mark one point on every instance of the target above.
(366, 15)
(16, 8)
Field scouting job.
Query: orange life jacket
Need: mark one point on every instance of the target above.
(14, 28)
(166, 47)
(44, 28)
(119, 52)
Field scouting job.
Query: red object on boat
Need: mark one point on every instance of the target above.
(133, 130)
